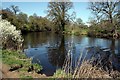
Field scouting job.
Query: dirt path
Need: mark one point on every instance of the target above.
(4, 70)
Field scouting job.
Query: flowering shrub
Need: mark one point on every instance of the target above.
(10, 37)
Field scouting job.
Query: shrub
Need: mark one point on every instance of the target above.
(10, 37)
(61, 74)
(37, 67)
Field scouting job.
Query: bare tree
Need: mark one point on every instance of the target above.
(105, 10)
(58, 13)
(15, 9)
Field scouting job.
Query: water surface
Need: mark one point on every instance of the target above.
(49, 50)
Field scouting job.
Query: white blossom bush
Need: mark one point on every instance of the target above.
(9, 35)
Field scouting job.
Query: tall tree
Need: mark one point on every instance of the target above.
(118, 15)
(105, 10)
(58, 13)
(15, 9)
(22, 19)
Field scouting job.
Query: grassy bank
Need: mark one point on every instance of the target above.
(18, 62)
(16, 59)
(77, 32)
(93, 32)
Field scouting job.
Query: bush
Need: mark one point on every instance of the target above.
(10, 37)
(37, 67)
(61, 74)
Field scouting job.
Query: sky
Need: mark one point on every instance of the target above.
(81, 8)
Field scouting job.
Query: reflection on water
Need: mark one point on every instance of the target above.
(50, 49)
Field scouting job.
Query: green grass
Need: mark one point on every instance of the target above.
(16, 58)
(80, 31)
(37, 67)
(24, 77)
(61, 74)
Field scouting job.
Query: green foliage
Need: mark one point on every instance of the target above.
(37, 67)
(61, 74)
(62, 20)
(25, 23)
(38, 23)
(24, 77)
(22, 21)
(12, 57)
(79, 21)
(100, 32)
(76, 29)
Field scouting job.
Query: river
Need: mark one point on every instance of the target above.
(49, 50)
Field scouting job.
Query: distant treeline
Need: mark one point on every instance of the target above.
(24, 22)
(34, 23)
(105, 21)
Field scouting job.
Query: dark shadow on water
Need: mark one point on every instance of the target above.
(56, 54)
(105, 58)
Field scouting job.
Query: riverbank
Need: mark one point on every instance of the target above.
(18, 74)
(77, 32)
(12, 59)
(16, 65)
(103, 33)
(88, 32)
(94, 33)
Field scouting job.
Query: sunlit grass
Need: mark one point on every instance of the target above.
(15, 58)
(62, 74)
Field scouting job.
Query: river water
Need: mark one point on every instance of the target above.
(49, 50)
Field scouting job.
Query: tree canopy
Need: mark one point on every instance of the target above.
(105, 13)
(58, 13)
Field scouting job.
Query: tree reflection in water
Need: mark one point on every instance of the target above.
(115, 56)
(105, 58)
(63, 55)
(56, 54)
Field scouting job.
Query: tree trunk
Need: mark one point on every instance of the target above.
(112, 47)
(114, 27)
(63, 26)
